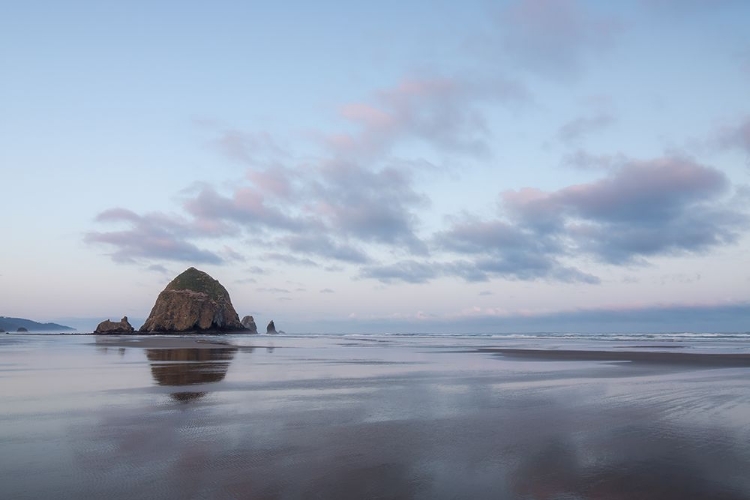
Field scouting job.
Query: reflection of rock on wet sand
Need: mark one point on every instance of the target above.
(180, 367)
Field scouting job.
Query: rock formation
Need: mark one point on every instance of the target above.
(271, 328)
(193, 302)
(111, 327)
(21, 330)
(249, 323)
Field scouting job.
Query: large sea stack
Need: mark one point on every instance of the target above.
(193, 302)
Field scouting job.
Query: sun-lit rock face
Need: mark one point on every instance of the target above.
(193, 302)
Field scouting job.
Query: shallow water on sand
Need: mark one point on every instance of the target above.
(368, 417)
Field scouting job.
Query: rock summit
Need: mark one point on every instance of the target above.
(193, 302)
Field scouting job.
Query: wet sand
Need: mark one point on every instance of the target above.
(159, 342)
(371, 417)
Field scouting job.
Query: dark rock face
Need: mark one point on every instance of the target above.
(249, 323)
(193, 302)
(22, 330)
(271, 328)
(111, 327)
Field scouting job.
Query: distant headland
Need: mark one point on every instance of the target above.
(20, 325)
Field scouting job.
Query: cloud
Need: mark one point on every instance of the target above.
(158, 268)
(289, 259)
(257, 270)
(275, 180)
(327, 209)
(636, 211)
(554, 37)
(247, 206)
(245, 147)
(409, 271)
(501, 249)
(584, 125)
(356, 196)
(327, 290)
(230, 254)
(272, 290)
(323, 246)
(368, 205)
(584, 160)
(479, 270)
(443, 112)
(151, 236)
(736, 136)
(663, 206)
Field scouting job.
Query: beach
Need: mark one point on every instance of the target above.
(374, 416)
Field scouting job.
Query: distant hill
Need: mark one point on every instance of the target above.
(13, 324)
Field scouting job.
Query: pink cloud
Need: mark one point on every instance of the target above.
(150, 236)
(367, 115)
(274, 181)
(442, 112)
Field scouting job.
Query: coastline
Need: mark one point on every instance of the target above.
(697, 359)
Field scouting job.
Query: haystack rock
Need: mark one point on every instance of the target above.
(193, 302)
(249, 323)
(271, 328)
(110, 327)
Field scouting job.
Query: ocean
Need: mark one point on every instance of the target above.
(402, 416)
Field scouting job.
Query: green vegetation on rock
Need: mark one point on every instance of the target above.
(198, 281)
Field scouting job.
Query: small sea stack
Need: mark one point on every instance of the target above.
(271, 328)
(249, 323)
(108, 327)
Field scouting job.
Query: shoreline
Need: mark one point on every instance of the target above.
(734, 360)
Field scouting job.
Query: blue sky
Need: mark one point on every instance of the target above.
(410, 166)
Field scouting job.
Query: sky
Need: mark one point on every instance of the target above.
(488, 166)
